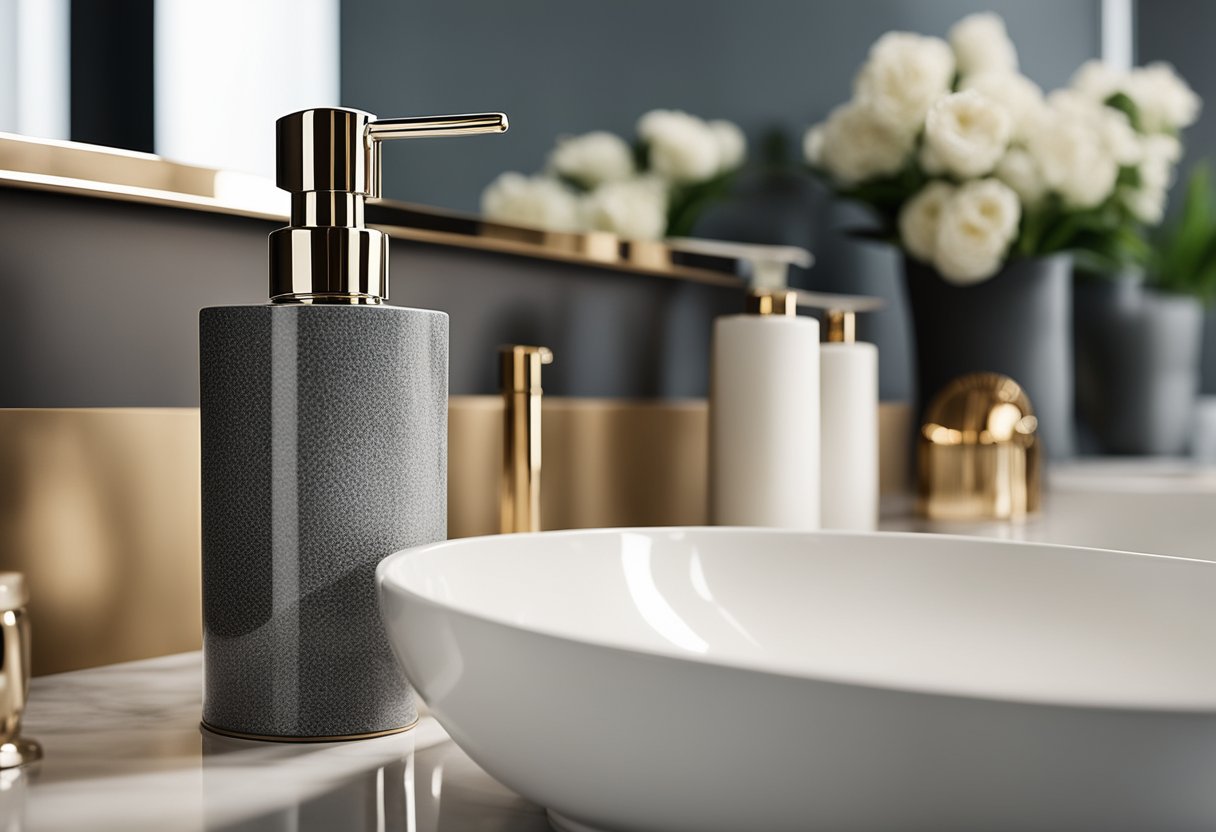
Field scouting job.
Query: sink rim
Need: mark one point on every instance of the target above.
(386, 582)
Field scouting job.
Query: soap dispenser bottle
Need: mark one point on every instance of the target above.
(764, 398)
(324, 449)
(848, 426)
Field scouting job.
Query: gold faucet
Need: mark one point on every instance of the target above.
(519, 376)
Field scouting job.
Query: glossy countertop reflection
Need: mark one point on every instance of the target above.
(123, 750)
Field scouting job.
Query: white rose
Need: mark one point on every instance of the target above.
(904, 74)
(1119, 137)
(981, 44)
(919, 219)
(1020, 96)
(812, 145)
(1020, 171)
(537, 201)
(857, 145)
(1164, 100)
(635, 208)
(1097, 81)
(974, 231)
(1073, 155)
(732, 144)
(1160, 152)
(1146, 204)
(683, 148)
(966, 133)
(592, 158)
(1162, 146)
(1111, 126)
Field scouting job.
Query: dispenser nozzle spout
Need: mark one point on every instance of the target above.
(423, 127)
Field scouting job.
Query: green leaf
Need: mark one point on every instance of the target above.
(1186, 252)
(686, 203)
(1121, 102)
(641, 155)
(577, 184)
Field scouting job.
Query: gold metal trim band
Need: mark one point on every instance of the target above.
(224, 732)
(126, 176)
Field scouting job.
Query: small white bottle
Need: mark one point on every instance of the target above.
(764, 402)
(848, 416)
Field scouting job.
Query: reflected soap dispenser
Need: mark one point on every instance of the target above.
(324, 449)
(764, 400)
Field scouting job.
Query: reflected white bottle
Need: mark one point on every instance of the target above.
(764, 416)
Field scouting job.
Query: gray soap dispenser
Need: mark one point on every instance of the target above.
(324, 449)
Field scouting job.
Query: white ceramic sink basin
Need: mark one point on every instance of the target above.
(730, 679)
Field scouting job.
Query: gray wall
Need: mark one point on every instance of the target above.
(102, 298)
(1180, 31)
(564, 67)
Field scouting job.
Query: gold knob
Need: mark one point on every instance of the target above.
(978, 451)
(14, 672)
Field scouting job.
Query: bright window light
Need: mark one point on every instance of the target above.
(226, 69)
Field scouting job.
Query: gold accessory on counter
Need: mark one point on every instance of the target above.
(519, 375)
(978, 451)
(329, 161)
(14, 672)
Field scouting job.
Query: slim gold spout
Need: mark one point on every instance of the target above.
(519, 375)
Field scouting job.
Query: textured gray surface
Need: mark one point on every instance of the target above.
(1018, 323)
(324, 442)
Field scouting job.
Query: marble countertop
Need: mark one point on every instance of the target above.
(1158, 506)
(123, 750)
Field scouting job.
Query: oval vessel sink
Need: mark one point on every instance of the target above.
(733, 679)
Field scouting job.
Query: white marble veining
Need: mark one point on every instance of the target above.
(123, 750)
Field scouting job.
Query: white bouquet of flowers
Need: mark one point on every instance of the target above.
(597, 181)
(966, 162)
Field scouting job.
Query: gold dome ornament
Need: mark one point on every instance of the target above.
(978, 452)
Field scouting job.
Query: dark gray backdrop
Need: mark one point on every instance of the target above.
(566, 67)
(563, 66)
(1180, 31)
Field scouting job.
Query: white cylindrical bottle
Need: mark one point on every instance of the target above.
(764, 416)
(848, 427)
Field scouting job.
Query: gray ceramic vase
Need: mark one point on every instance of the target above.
(324, 449)
(1138, 354)
(1018, 322)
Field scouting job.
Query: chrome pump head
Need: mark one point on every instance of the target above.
(329, 160)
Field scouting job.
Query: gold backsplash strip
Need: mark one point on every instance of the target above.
(605, 462)
(100, 508)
